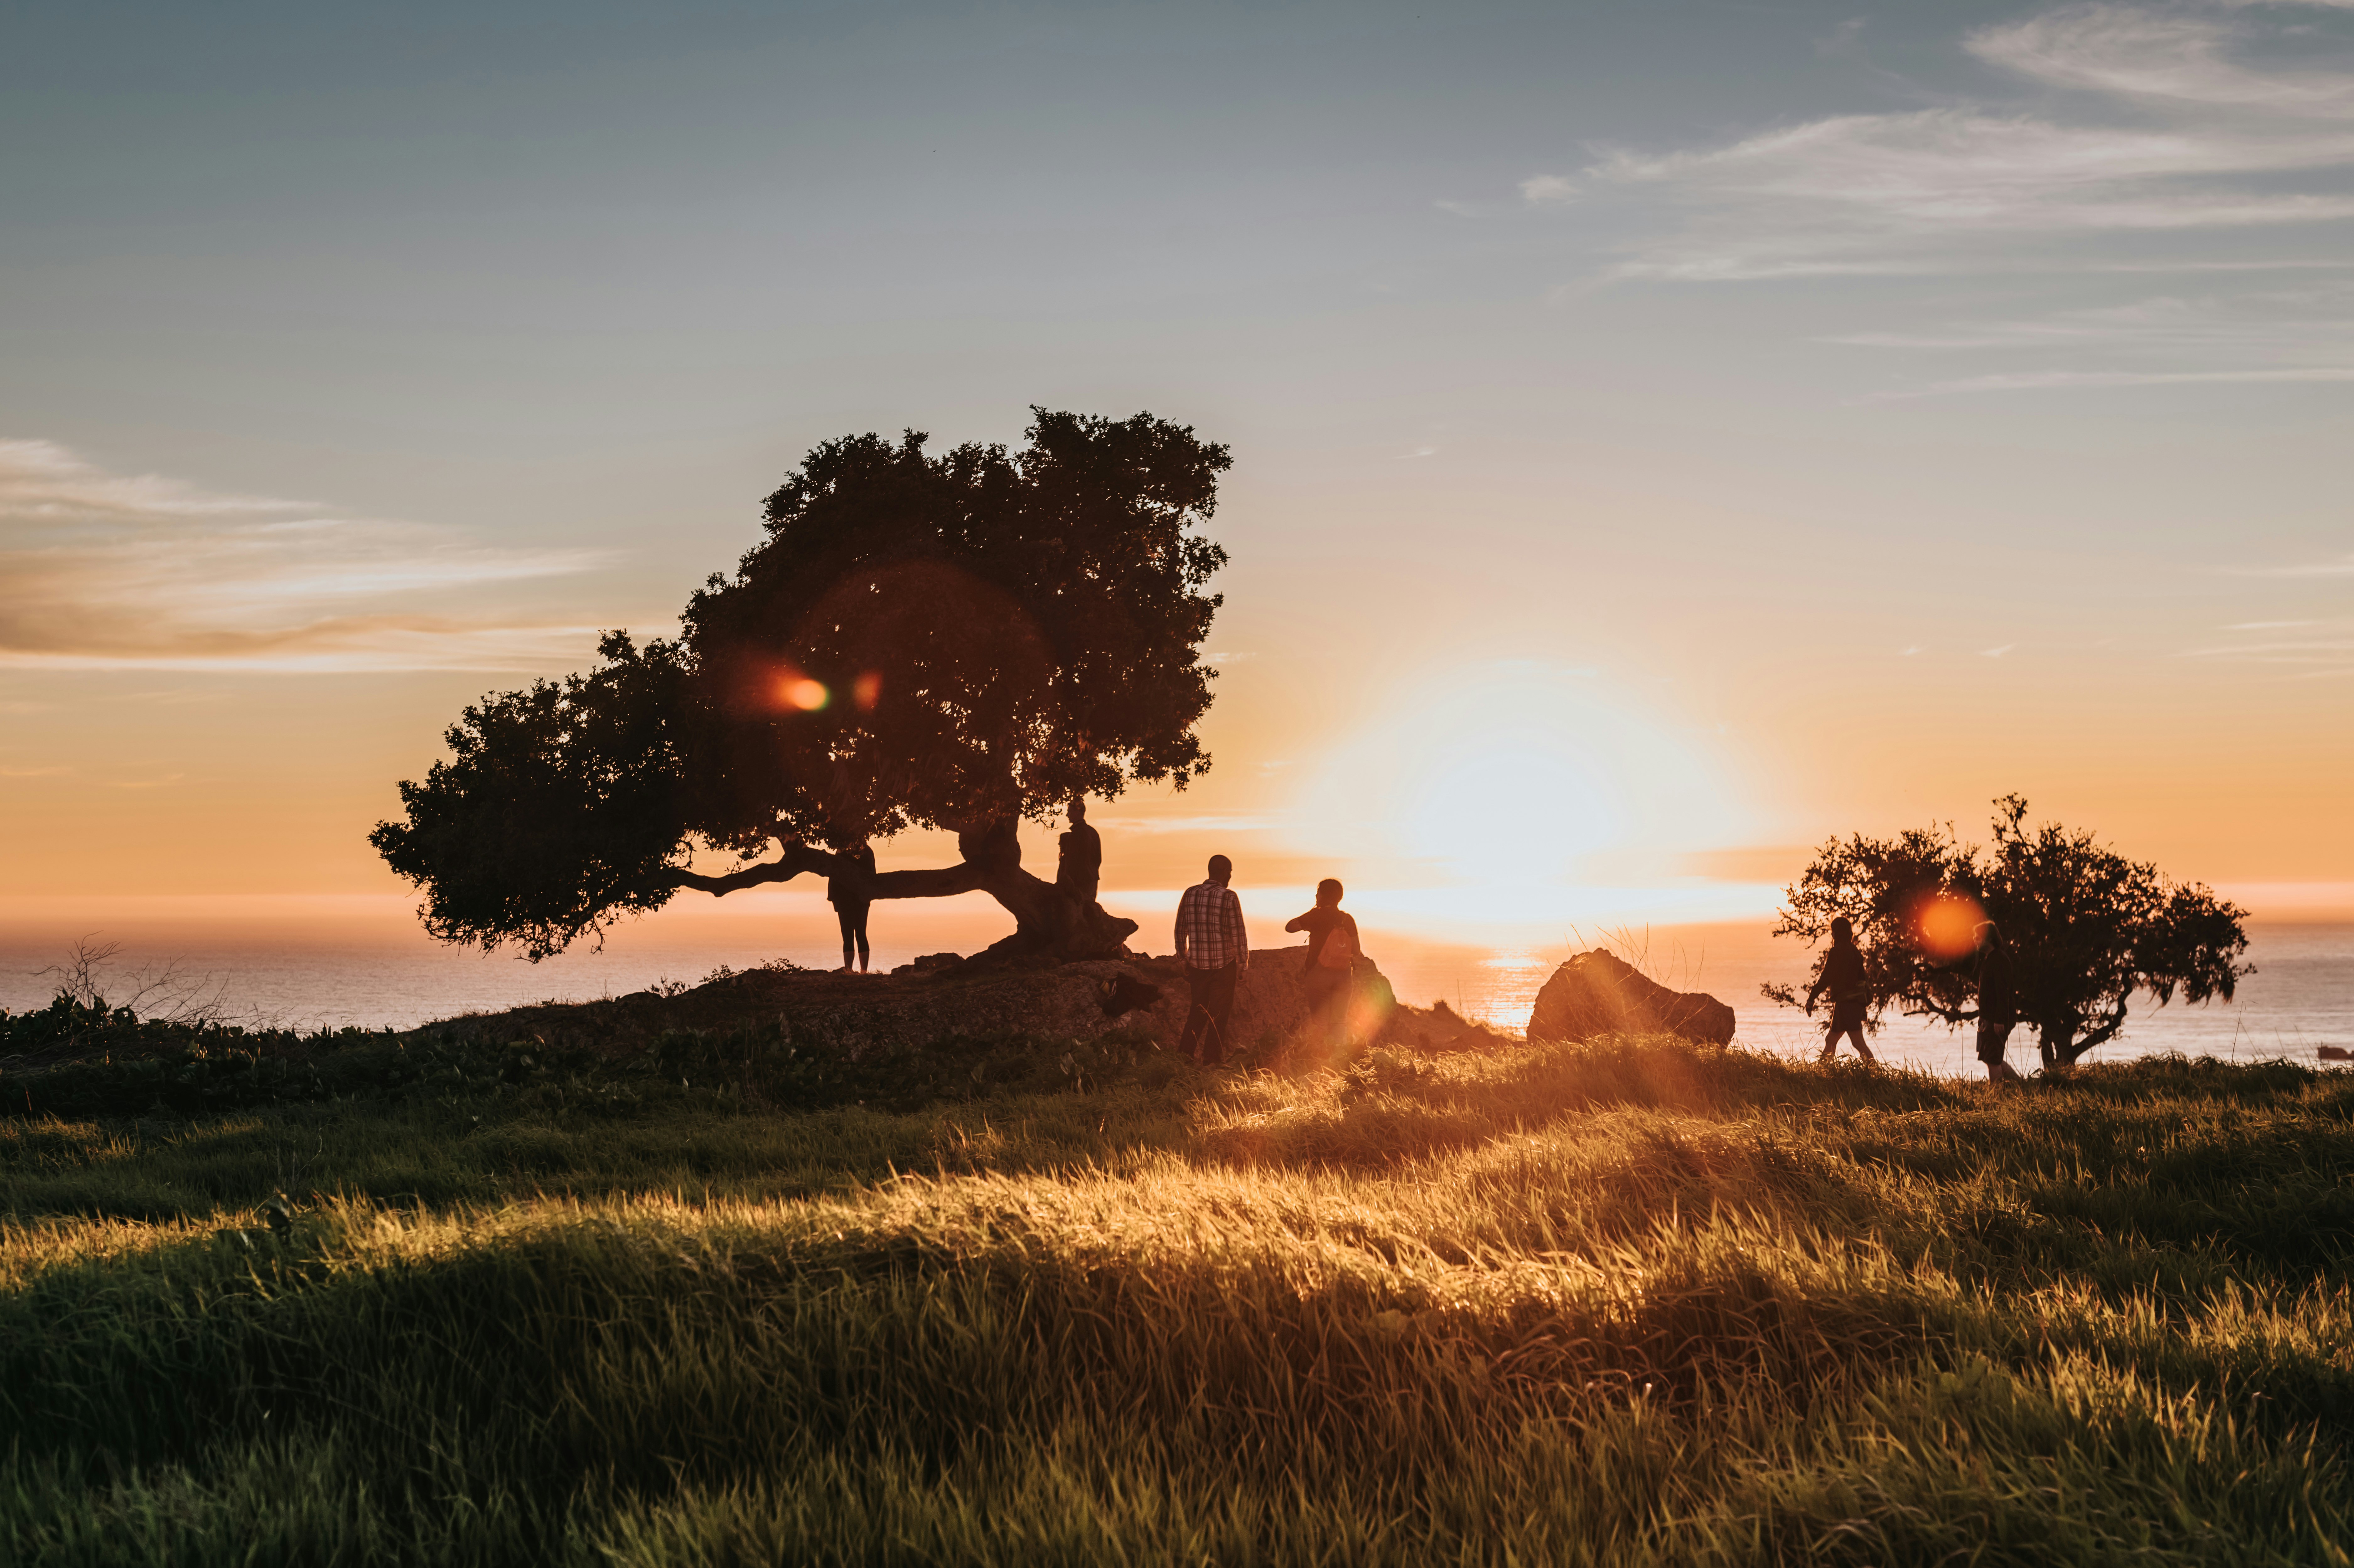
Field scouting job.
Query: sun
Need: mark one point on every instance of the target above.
(1506, 805)
(1516, 777)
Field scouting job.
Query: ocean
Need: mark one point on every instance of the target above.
(311, 961)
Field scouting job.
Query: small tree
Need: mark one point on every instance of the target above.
(2086, 927)
(951, 641)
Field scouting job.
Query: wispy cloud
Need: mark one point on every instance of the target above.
(2341, 566)
(2140, 124)
(2054, 380)
(2321, 647)
(1205, 825)
(103, 571)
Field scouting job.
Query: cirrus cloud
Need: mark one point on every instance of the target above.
(2171, 126)
(106, 570)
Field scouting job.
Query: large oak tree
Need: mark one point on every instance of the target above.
(2086, 928)
(953, 641)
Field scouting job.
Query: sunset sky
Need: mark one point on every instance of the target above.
(1664, 434)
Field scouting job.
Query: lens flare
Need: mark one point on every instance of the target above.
(1946, 924)
(800, 691)
(867, 689)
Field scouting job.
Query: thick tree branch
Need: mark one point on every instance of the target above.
(942, 883)
(797, 859)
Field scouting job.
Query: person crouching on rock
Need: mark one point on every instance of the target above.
(851, 891)
(1211, 940)
(1332, 949)
(1842, 976)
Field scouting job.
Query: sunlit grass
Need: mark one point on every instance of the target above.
(1626, 1301)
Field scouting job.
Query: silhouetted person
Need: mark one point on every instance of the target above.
(851, 889)
(1212, 941)
(1842, 976)
(1332, 948)
(1989, 964)
(1082, 861)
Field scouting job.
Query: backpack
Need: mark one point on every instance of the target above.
(1340, 949)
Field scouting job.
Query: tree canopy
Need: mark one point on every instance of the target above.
(2086, 928)
(952, 640)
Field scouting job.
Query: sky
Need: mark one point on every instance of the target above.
(1665, 434)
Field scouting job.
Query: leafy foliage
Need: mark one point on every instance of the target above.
(560, 808)
(949, 640)
(2085, 927)
(1012, 630)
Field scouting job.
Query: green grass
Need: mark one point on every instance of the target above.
(1627, 1302)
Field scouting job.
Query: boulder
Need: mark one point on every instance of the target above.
(1270, 999)
(1599, 993)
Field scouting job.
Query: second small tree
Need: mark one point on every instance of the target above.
(2086, 928)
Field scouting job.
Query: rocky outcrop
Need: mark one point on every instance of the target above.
(1270, 999)
(942, 997)
(1598, 993)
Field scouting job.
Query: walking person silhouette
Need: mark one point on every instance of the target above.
(1842, 976)
(1212, 941)
(851, 891)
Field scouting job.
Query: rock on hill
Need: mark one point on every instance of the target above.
(943, 999)
(1599, 993)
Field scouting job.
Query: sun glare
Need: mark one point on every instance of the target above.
(1518, 777)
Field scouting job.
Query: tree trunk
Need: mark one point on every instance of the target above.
(2066, 1044)
(1048, 923)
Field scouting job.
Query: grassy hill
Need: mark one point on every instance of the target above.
(1627, 1302)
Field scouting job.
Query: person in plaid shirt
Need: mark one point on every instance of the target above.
(1211, 940)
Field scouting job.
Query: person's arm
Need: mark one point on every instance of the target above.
(1298, 922)
(1242, 937)
(1180, 923)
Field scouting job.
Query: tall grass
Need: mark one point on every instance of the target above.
(1629, 1301)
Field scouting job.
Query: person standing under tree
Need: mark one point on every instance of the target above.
(1988, 963)
(1842, 976)
(1997, 1003)
(1216, 949)
(1082, 859)
(851, 891)
(1332, 950)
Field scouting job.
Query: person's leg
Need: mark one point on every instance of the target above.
(865, 954)
(1855, 1032)
(1197, 1014)
(1993, 1039)
(1320, 1030)
(1336, 1013)
(849, 936)
(1221, 1003)
(1830, 1040)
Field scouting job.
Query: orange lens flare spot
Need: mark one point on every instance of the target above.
(1947, 924)
(801, 693)
(867, 689)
